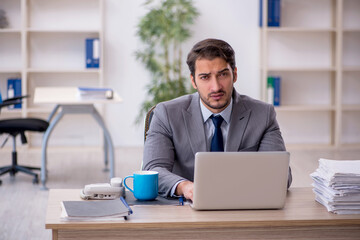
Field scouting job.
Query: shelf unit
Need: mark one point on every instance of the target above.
(44, 45)
(316, 52)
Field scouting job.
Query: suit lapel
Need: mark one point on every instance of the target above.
(239, 120)
(194, 125)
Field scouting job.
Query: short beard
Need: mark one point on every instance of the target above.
(214, 107)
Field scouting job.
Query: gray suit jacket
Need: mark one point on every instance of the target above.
(177, 133)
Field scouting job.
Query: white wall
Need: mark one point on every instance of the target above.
(235, 21)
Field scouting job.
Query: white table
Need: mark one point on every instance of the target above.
(68, 101)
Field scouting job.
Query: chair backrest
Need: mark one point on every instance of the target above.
(148, 118)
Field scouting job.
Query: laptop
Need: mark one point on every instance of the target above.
(240, 180)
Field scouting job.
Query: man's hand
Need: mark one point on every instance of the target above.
(185, 188)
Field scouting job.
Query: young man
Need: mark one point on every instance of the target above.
(189, 124)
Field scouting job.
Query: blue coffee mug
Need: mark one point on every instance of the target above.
(145, 184)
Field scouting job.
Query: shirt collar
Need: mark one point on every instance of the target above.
(225, 114)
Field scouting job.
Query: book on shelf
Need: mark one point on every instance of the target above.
(273, 90)
(277, 85)
(92, 50)
(4, 23)
(95, 210)
(273, 13)
(95, 93)
(14, 90)
(274, 9)
(260, 13)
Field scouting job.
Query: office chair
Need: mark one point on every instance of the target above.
(17, 126)
(148, 118)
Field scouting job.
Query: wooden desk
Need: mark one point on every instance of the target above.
(302, 218)
(68, 102)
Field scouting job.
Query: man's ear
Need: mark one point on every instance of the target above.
(235, 74)
(193, 83)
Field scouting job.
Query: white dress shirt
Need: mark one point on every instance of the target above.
(209, 125)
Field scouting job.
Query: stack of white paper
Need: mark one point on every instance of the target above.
(337, 185)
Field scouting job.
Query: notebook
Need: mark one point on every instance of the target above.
(240, 180)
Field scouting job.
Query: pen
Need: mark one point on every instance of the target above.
(181, 200)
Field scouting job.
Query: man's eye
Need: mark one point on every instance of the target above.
(204, 77)
(223, 75)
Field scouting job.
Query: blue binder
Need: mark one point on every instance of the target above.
(260, 13)
(14, 90)
(274, 10)
(277, 90)
(92, 46)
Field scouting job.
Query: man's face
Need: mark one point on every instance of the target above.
(214, 81)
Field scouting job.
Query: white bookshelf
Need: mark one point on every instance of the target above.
(316, 52)
(44, 45)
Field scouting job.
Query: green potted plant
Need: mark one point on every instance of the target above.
(162, 31)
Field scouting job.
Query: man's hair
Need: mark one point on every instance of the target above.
(210, 49)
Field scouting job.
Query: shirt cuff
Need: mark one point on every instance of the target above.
(172, 193)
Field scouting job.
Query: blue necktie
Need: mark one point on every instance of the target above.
(217, 144)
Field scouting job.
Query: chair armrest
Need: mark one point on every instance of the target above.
(12, 101)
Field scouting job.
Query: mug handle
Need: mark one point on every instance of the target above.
(127, 185)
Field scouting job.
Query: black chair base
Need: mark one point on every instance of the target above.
(15, 168)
